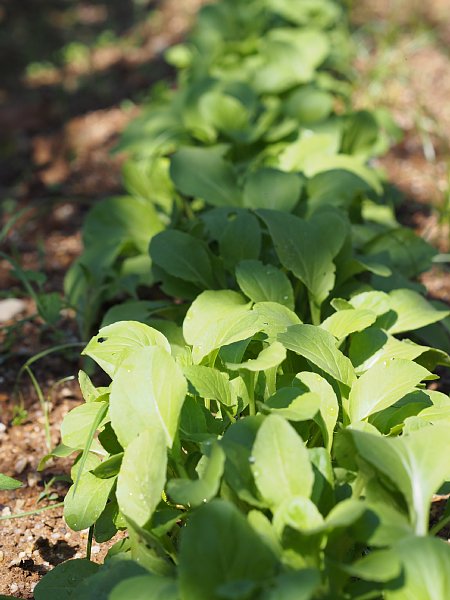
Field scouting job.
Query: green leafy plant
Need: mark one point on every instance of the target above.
(267, 431)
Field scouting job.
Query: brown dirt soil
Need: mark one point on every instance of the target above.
(60, 125)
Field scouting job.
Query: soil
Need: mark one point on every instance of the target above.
(62, 117)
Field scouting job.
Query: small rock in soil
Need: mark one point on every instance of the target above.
(10, 308)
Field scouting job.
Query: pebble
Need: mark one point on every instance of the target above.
(2, 428)
(10, 308)
(13, 588)
(2, 555)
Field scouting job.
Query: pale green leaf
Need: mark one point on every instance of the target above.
(216, 319)
(148, 388)
(417, 464)
(211, 383)
(344, 322)
(275, 318)
(142, 475)
(413, 311)
(115, 341)
(382, 385)
(281, 466)
(264, 283)
(319, 347)
(269, 357)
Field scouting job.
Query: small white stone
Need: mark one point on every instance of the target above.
(10, 308)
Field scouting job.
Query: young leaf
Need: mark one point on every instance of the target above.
(183, 256)
(219, 547)
(240, 240)
(382, 385)
(413, 464)
(269, 357)
(275, 318)
(216, 319)
(85, 502)
(61, 582)
(329, 407)
(113, 343)
(211, 383)
(148, 387)
(272, 189)
(8, 483)
(307, 248)
(142, 476)
(145, 587)
(344, 322)
(264, 283)
(198, 491)
(281, 465)
(77, 424)
(204, 173)
(426, 563)
(413, 311)
(318, 346)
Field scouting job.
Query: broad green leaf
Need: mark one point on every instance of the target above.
(99, 586)
(329, 407)
(275, 318)
(294, 405)
(61, 582)
(382, 385)
(320, 13)
(402, 251)
(148, 388)
(264, 283)
(240, 239)
(379, 565)
(301, 584)
(184, 256)
(8, 483)
(272, 189)
(323, 163)
(89, 391)
(309, 105)
(307, 248)
(121, 220)
(216, 319)
(149, 180)
(288, 57)
(305, 150)
(85, 502)
(204, 173)
(220, 548)
(115, 341)
(376, 302)
(203, 489)
(211, 383)
(426, 563)
(416, 466)
(145, 587)
(142, 476)
(269, 357)
(344, 322)
(238, 442)
(77, 424)
(318, 346)
(300, 514)
(413, 311)
(281, 465)
(373, 346)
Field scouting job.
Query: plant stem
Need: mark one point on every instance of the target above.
(89, 542)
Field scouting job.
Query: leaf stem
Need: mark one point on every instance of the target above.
(89, 542)
(30, 512)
